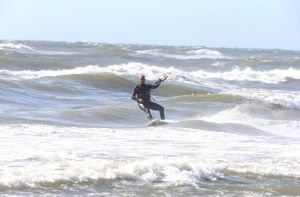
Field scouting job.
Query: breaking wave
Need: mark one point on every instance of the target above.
(173, 171)
(22, 48)
(153, 72)
(125, 75)
(188, 55)
(288, 99)
(154, 170)
(263, 117)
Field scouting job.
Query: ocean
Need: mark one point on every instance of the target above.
(69, 127)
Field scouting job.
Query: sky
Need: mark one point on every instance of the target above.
(214, 23)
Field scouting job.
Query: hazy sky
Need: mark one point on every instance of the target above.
(222, 23)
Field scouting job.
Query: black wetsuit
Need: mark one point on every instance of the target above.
(142, 91)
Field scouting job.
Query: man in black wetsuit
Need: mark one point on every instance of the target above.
(141, 94)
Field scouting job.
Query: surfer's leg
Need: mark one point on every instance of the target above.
(145, 108)
(156, 106)
(149, 115)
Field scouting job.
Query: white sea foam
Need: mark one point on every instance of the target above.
(4, 46)
(35, 154)
(204, 52)
(154, 51)
(290, 99)
(257, 116)
(22, 48)
(193, 54)
(236, 74)
(152, 72)
(130, 69)
(194, 57)
(151, 170)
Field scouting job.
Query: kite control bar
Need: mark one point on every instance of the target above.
(161, 80)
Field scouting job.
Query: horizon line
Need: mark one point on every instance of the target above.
(149, 44)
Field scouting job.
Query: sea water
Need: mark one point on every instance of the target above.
(69, 127)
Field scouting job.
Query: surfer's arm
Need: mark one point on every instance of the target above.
(133, 97)
(155, 85)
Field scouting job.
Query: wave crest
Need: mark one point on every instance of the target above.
(152, 72)
(260, 116)
(188, 55)
(151, 170)
(236, 74)
(4, 46)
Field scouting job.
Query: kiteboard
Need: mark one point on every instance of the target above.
(155, 122)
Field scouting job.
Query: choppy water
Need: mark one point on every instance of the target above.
(69, 127)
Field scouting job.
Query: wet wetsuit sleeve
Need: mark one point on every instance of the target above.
(154, 86)
(133, 97)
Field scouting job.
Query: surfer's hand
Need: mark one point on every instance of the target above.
(140, 101)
